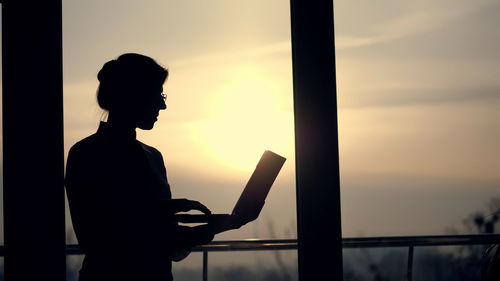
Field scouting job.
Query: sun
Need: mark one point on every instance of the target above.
(249, 114)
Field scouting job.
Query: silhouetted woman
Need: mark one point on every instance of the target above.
(117, 187)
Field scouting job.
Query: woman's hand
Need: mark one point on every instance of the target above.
(225, 223)
(185, 205)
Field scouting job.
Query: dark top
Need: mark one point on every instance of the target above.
(119, 196)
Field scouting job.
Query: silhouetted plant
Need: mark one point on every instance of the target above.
(485, 223)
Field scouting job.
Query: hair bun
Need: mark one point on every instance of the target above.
(107, 72)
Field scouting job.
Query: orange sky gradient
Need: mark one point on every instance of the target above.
(418, 92)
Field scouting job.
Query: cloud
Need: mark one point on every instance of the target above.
(400, 20)
(415, 96)
(399, 27)
(276, 48)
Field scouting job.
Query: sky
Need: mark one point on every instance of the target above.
(418, 90)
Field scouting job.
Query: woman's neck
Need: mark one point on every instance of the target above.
(121, 121)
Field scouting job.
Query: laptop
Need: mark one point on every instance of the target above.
(254, 194)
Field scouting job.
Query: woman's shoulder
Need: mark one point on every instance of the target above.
(85, 145)
(150, 150)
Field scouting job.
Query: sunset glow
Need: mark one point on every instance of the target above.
(247, 118)
(417, 90)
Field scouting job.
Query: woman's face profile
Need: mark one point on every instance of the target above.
(150, 107)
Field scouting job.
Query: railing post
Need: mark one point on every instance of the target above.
(409, 270)
(205, 265)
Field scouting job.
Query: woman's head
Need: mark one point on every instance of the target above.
(131, 87)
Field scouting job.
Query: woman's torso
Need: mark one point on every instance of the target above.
(115, 185)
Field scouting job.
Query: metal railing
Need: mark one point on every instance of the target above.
(359, 242)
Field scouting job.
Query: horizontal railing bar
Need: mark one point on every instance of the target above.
(357, 242)
(249, 245)
(406, 241)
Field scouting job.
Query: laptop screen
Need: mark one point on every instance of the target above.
(254, 195)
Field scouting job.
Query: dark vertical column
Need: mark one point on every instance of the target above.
(33, 140)
(316, 141)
